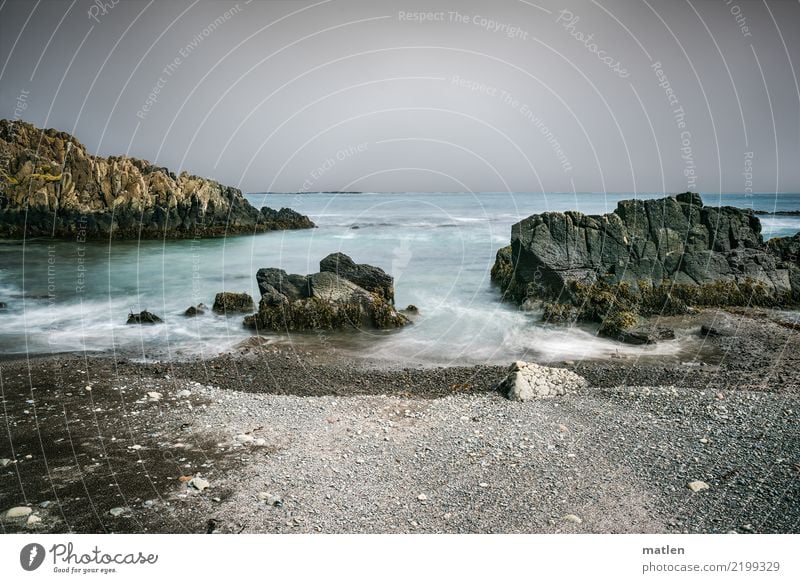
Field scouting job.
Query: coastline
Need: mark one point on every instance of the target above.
(351, 447)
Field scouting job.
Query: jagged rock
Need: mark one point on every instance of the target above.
(788, 250)
(373, 279)
(411, 309)
(321, 300)
(51, 186)
(143, 317)
(193, 311)
(231, 302)
(278, 286)
(648, 257)
(527, 381)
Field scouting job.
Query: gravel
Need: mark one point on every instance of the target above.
(287, 442)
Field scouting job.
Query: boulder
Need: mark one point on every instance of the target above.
(320, 301)
(720, 324)
(50, 186)
(373, 279)
(231, 302)
(527, 381)
(143, 317)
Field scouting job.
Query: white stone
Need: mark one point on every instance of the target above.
(33, 519)
(243, 438)
(183, 394)
(4, 462)
(573, 518)
(18, 512)
(154, 395)
(117, 511)
(198, 483)
(422, 497)
(527, 381)
(698, 486)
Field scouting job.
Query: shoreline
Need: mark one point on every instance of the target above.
(344, 447)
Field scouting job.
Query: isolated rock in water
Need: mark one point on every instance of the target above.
(527, 381)
(231, 302)
(321, 301)
(643, 334)
(3, 306)
(51, 186)
(193, 311)
(143, 317)
(373, 279)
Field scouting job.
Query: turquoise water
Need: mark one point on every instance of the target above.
(67, 296)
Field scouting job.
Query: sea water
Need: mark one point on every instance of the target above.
(73, 296)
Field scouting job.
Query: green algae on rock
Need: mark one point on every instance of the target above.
(326, 300)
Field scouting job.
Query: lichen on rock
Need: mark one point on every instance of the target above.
(50, 186)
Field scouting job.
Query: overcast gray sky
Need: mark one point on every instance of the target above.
(614, 95)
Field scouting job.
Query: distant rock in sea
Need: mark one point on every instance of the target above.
(648, 257)
(51, 187)
(342, 295)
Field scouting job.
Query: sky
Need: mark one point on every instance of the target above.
(346, 95)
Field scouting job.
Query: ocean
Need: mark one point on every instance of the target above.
(66, 296)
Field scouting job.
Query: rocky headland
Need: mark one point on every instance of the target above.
(50, 186)
(660, 257)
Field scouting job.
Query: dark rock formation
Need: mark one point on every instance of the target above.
(233, 303)
(324, 300)
(197, 310)
(143, 317)
(51, 187)
(373, 279)
(787, 249)
(647, 257)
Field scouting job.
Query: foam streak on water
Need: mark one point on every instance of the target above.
(68, 296)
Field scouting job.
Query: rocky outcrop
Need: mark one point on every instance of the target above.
(233, 303)
(324, 300)
(373, 279)
(647, 257)
(51, 187)
(527, 381)
(787, 249)
(143, 317)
